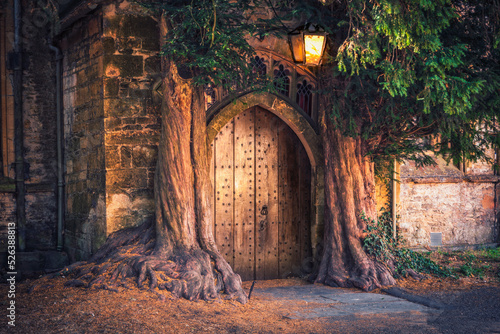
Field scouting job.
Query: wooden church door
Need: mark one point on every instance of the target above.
(262, 188)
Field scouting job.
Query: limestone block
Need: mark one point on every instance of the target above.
(126, 178)
(108, 45)
(123, 65)
(144, 156)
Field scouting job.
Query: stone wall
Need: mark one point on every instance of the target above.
(442, 199)
(111, 123)
(132, 116)
(481, 167)
(40, 137)
(85, 221)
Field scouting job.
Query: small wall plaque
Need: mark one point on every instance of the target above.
(436, 239)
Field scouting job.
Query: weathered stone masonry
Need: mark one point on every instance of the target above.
(132, 115)
(462, 206)
(84, 136)
(39, 137)
(111, 124)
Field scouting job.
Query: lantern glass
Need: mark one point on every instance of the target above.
(297, 44)
(314, 45)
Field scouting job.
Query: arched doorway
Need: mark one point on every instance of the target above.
(262, 196)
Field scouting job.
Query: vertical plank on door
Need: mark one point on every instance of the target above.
(244, 179)
(294, 245)
(212, 179)
(305, 211)
(266, 155)
(285, 259)
(224, 220)
(290, 254)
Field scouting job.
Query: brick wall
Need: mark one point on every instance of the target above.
(40, 137)
(7, 215)
(39, 142)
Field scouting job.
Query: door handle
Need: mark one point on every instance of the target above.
(263, 211)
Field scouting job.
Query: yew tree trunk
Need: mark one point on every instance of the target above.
(349, 194)
(183, 220)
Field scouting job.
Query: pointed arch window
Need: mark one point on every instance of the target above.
(259, 67)
(282, 80)
(304, 96)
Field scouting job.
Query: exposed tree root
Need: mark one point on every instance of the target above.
(191, 274)
(367, 276)
(413, 274)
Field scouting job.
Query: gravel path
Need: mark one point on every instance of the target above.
(466, 311)
(473, 311)
(53, 308)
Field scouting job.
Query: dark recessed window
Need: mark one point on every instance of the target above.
(282, 80)
(304, 96)
(259, 68)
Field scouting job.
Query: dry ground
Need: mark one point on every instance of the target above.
(52, 308)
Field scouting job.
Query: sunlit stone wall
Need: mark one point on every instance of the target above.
(131, 67)
(111, 123)
(442, 199)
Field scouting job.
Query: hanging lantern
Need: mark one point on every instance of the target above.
(308, 44)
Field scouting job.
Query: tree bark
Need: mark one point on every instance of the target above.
(349, 194)
(183, 192)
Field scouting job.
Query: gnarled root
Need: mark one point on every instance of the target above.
(374, 276)
(367, 276)
(190, 274)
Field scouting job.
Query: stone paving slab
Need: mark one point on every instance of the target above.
(337, 302)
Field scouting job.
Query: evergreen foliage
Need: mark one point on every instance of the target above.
(385, 248)
(398, 70)
(410, 69)
(207, 39)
